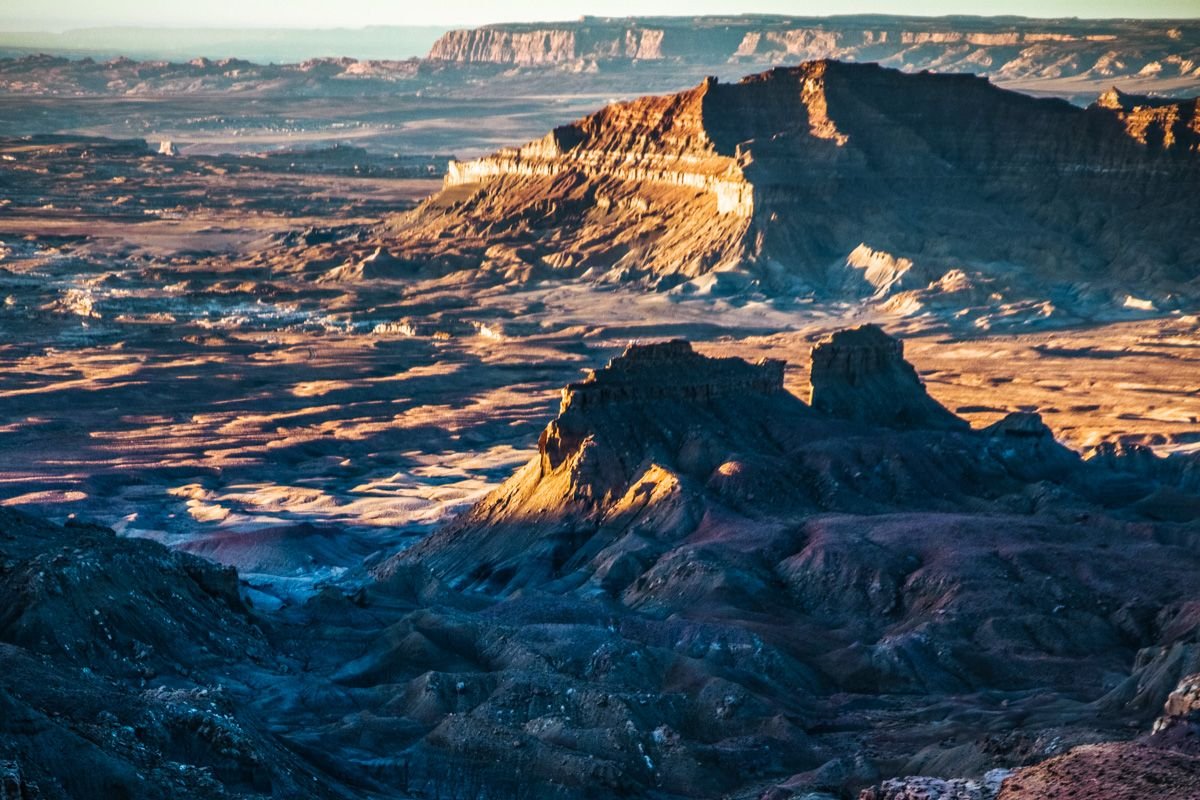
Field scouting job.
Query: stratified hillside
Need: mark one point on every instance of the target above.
(1010, 48)
(703, 585)
(838, 180)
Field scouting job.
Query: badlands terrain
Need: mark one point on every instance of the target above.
(807, 435)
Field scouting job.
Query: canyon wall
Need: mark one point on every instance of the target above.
(1008, 48)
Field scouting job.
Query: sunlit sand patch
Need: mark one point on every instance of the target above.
(81, 374)
(207, 512)
(45, 498)
(436, 487)
(24, 424)
(437, 369)
(318, 388)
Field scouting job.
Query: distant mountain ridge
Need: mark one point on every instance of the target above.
(1006, 48)
(1071, 58)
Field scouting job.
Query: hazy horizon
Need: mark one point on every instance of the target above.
(29, 16)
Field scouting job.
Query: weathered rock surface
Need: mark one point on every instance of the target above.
(1155, 121)
(917, 788)
(1163, 764)
(861, 375)
(110, 651)
(805, 180)
(664, 493)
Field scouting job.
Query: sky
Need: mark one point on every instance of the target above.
(63, 14)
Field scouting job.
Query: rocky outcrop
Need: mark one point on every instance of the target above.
(671, 372)
(861, 375)
(668, 132)
(1182, 706)
(110, 652)
(1155, 122)
(1162, 764)
(804, 180)
(1180, 470)
(13, 786)
(921, 788)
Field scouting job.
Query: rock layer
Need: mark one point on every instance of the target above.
(1012, 48)
(861, 374)
(809, 179)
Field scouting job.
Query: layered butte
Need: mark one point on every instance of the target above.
(1011, 48)
(841, 180)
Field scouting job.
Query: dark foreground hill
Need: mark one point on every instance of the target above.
(701, 586)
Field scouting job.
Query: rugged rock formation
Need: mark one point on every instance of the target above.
(1164, 764)
(680, 509)
(1182, 706)
(918, 788)
(87, 619)
(1155, 122)
(700, 586)
(671, 371)
(861, 375)
(810, 180)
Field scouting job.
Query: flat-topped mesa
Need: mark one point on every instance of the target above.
(671, 371)
(1010, 48)
(860, 374)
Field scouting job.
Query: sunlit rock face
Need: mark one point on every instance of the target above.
(1010, 48)
(839, 180)
(1156, 122)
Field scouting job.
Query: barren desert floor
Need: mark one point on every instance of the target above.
(169, 376)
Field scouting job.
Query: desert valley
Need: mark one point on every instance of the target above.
(749, 407)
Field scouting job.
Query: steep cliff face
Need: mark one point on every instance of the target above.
(662, 436)
(861, 374)
(1011, 48)
(551, 45)
(834, 179)
(1155, 122)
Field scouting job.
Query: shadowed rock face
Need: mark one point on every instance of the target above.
(861, 374)
(805, 180)
(903, 560)
(87, 621)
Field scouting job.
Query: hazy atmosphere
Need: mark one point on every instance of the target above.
(64, 14)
